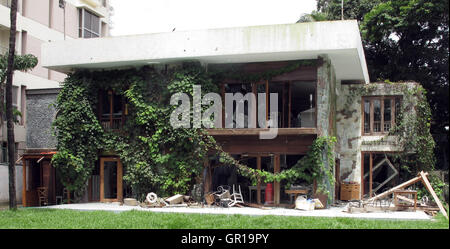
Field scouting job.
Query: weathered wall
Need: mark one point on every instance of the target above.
(40, 116)
(349, 126)
(4, 185)
(326, 97)
(326, 101)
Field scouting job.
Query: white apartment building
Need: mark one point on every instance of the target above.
(38, 22)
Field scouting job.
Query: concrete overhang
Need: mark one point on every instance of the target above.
(339, 40)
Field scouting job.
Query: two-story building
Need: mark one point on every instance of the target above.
(314, 99)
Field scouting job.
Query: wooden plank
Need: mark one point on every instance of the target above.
(370, 174)
(258, 186)
(256, 131)
(119, 181)
(403, 198)
(431, 190)
(102, 180)
(276, 185)
(24, 180)
(176, 199)
(401, 186)
(290, 104)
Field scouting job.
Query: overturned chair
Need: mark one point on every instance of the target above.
(236, 197)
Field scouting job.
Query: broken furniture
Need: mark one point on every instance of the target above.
(349, 191)
(254, 188)
(398, 196)
(176, 199)
(421, 177)
(236, 197)
(295, 193)
(43, 195)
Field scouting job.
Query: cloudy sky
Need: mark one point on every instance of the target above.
(153, 16)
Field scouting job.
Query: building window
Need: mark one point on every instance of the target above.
(104, 3)
(4, 156)
(89, 24)
(379, 114)
(16, 113)
(112, 110)
(296, 103)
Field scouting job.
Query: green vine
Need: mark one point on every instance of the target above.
(156, 157)
(411, 129)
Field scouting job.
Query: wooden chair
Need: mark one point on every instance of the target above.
(236, 197)
(43, 195)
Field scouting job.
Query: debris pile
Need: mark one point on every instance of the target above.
(224, 198)
(383, 202)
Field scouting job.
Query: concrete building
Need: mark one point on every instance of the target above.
(322, 94)
(39, 22)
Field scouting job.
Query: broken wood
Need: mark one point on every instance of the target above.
(176, 199)
(403, 198)
(422, 176)
(431, 190)
(401, 186)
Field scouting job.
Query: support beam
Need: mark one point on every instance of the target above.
(401, 186)
(430, 189)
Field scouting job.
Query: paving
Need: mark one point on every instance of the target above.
(331, 212)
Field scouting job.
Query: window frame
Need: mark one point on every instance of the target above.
(82, 27)
(286, 97)
(371, 99)
(124, 110)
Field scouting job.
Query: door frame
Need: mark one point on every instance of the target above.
(119, 196)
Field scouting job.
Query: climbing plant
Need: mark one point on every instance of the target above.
(156, 156)
(412, 128)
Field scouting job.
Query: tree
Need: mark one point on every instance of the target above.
(403, 40)
(8, 63)
(9, 110)
(314, 16)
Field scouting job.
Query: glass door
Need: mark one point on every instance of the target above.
(110, 179)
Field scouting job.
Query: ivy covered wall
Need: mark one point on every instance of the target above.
(411, 126)
(156, 157)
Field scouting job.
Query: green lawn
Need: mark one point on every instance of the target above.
(65, 219)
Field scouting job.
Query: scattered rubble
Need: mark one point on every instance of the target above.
(384, 202)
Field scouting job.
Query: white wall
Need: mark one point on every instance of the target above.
(4, 184)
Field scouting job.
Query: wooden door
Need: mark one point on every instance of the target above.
(111, 171)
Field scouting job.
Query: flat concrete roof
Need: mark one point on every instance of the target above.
(340, 40)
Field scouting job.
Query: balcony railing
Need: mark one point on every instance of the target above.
(111, 124)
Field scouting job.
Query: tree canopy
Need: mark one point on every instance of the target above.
(403, 40)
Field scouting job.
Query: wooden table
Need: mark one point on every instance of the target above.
(405, 192)
(250, 188)
(296, 192)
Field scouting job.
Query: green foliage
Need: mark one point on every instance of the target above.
(413, 130)
(404, 40)
(156, 157)
(438, 186)
(78, 133)
(21, 62)
(317, 164)
(314, 16)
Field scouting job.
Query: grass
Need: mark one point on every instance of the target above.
(32, 218)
